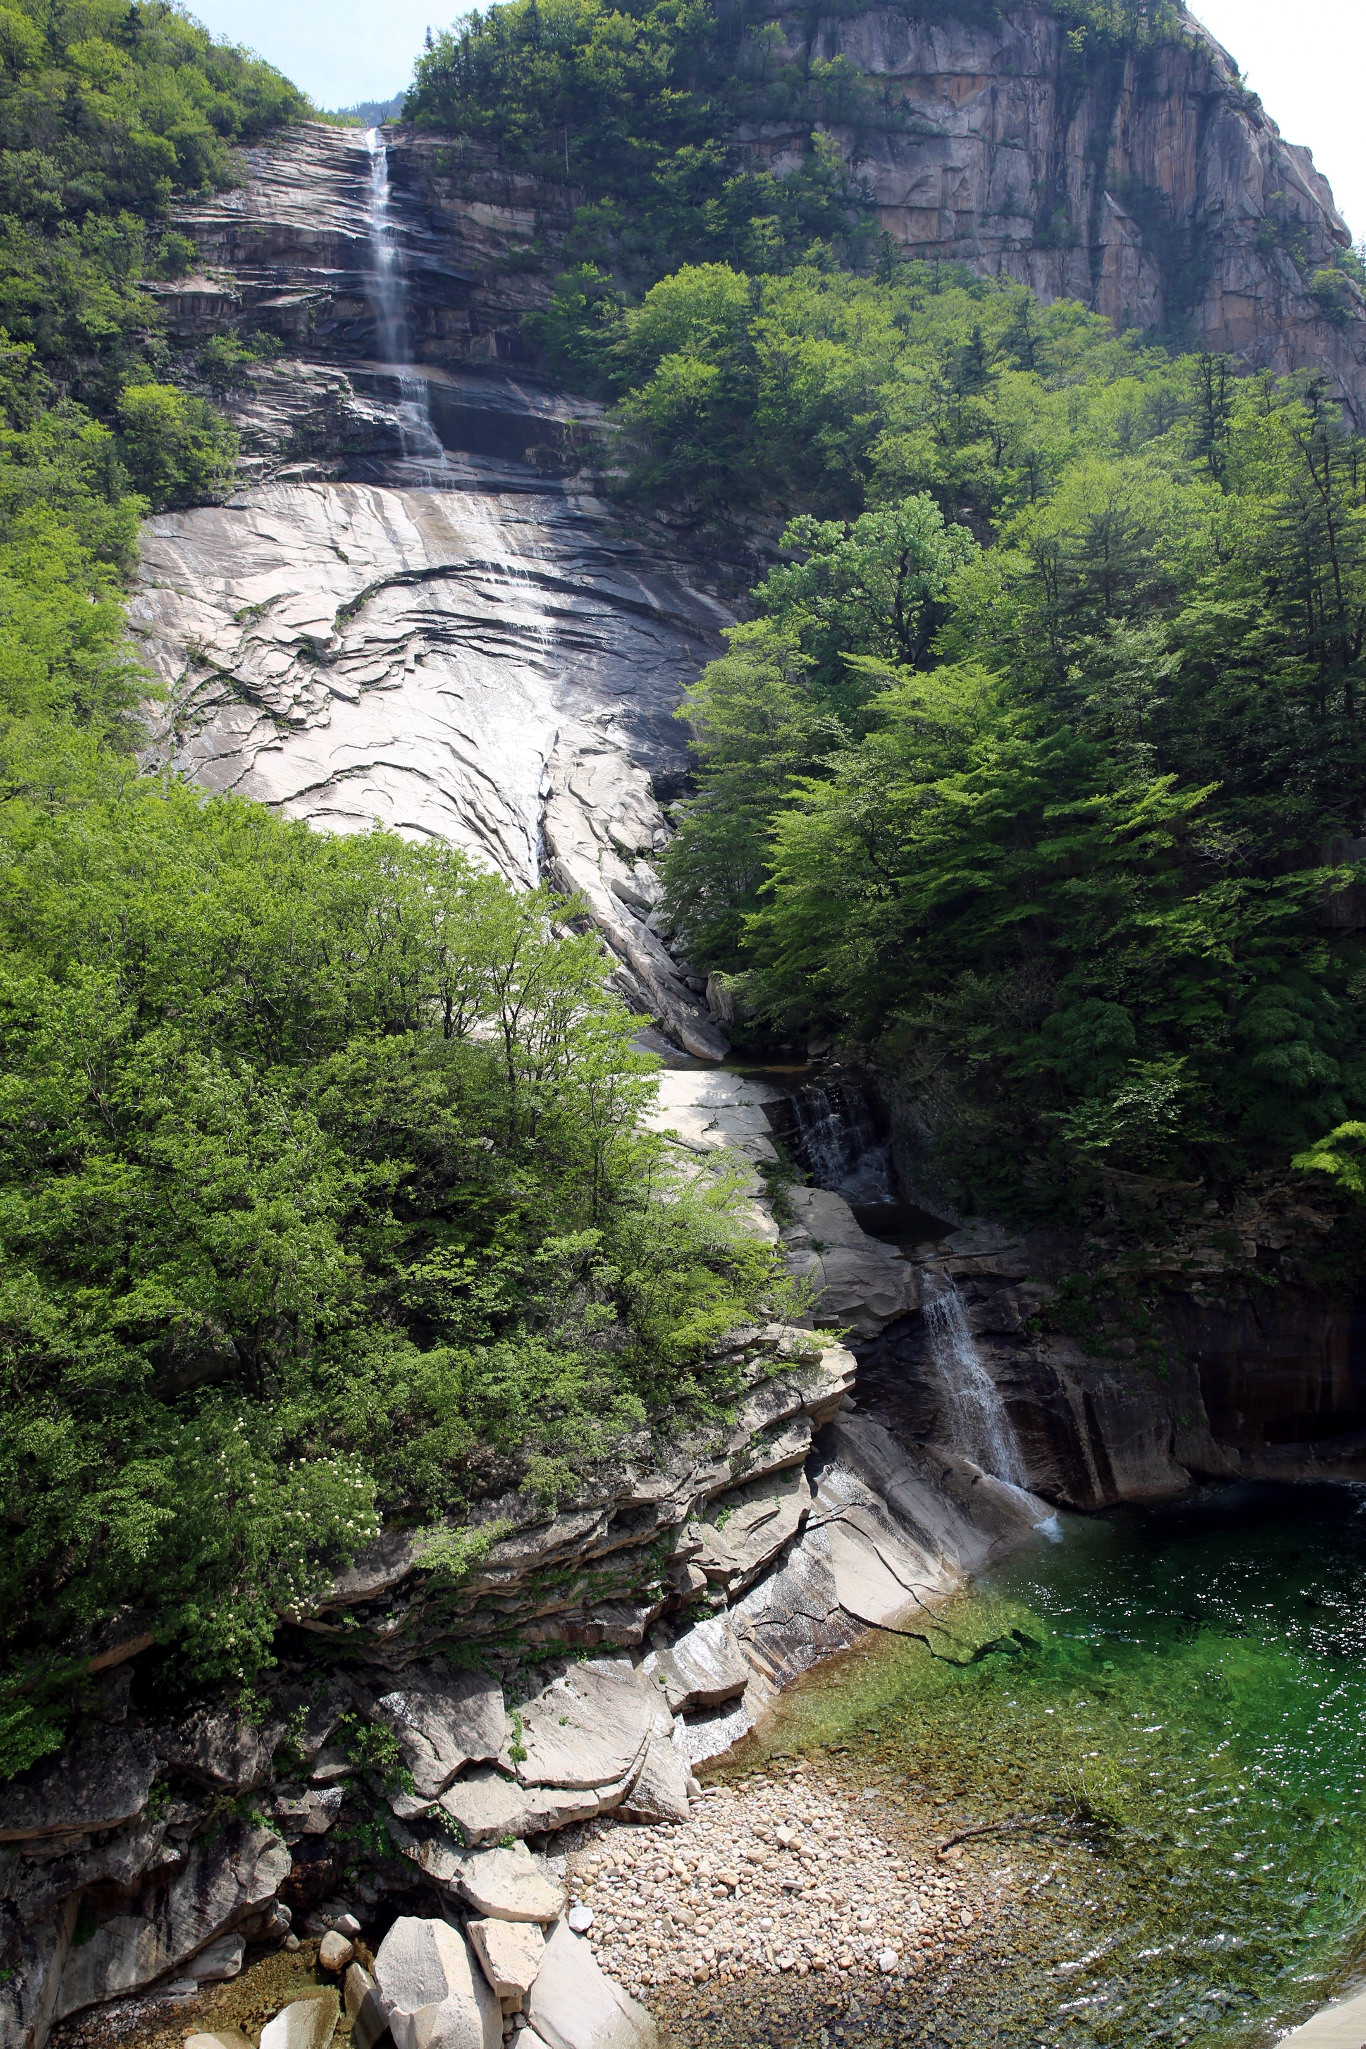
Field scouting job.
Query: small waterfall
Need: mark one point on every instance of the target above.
(982, 1428)
(837, 1143)
(422, 445)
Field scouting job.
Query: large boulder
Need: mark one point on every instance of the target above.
(435, 1995)
(701, 1668)
(304, 2023)
(218, 1887)
(443, 1726)
(97, 1783)
(575, 2005)
(486, 1806)
(364, 2007)
(509, 1954)
(587, 1729)
(511, 1885)
(660, 1791)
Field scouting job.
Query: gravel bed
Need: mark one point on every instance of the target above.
(780, 1873)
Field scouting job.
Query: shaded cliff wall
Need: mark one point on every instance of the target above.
(1221, 1378)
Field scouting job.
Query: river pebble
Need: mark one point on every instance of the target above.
(769, 1875)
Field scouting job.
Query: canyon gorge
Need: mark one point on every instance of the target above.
(421, 606)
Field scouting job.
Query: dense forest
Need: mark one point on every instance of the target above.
(1037, 772)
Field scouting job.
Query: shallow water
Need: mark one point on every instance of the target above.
(1161, 1721)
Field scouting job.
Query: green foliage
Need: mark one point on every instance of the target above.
(1044, 822)
(322, 1200)
(636, 110)
(110, 109)
(1339, 1156)
(176, 449)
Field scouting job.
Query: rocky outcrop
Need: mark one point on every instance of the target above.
(1149, 184)
(484, 668)
(1207, 1373)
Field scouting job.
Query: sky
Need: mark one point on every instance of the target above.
(1307, 61)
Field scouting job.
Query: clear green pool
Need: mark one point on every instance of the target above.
(1176, 1710)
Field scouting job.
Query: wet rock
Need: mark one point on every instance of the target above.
(221, 1750)
(574, 2005)
(509, 1953)
(436, 1997)
(304, 2023)
(219, 1885)
(96, 1783)
(701, 1668)
(861, 1283)
(442, 1726)
(511, 1885)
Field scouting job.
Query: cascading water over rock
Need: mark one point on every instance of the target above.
(982, 1429)
(836, 1140)
(423, 450)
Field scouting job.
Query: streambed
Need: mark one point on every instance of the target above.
(1168, 1746)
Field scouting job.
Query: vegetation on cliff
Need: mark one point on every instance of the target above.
(323, 1197)
(1037, 770)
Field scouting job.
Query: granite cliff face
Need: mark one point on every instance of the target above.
(1152, 186)
(416, 611)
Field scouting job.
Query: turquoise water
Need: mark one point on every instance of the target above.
(1165, 1730)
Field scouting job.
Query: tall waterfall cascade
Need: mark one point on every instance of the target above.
(420, 623)
(981, 1426)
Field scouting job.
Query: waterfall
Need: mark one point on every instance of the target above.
(422, 445)
(982, 1427)
(837, 1143)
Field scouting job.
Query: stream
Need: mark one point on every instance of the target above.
(1168, 1743)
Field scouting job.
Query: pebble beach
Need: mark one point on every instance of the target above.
(784, 1873)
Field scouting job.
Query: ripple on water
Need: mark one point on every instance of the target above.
(1167, 1748)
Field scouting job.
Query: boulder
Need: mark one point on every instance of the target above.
(218, 2038)
(218, 1886)
(660, 1791)
(33, 1975)
(752, 1525)
(701, 1668)
(304, 2023)
(335, 1951)
(221, 1751)
(510, 1955)
(574, 2005)
(487, 1806)
(434, 1995)
(99, 1782)
(443, 1726)
(219, 1962)
(511, 1885)
(364, 2007)
(587, 1729)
